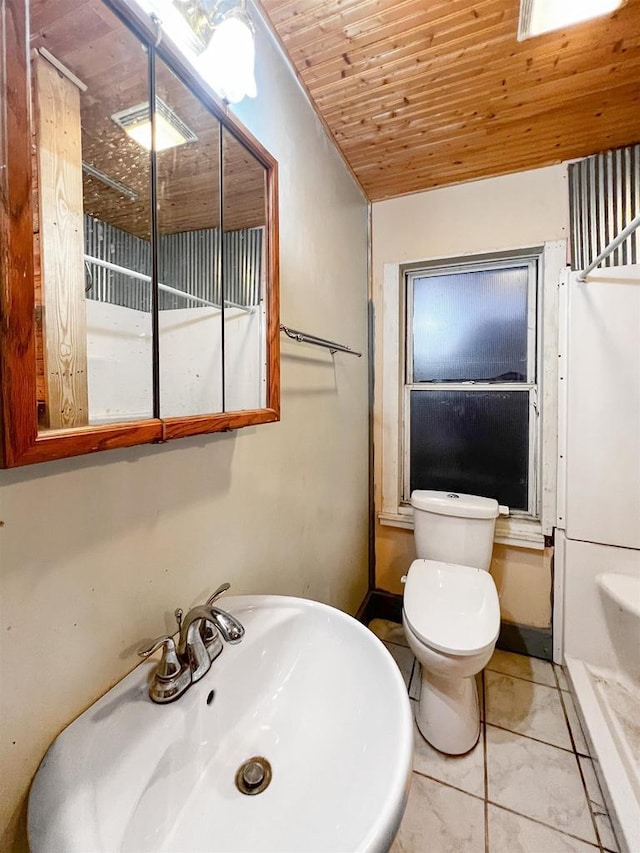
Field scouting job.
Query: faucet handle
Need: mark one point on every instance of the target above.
(222, 588)
(208, 631)
(171, 678)
(179, 613)
(169, 665)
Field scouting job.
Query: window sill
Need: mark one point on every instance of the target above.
(513, 531)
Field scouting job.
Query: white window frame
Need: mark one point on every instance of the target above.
(530, 260)
(519, 529)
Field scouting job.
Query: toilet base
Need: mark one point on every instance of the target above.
(448, 712)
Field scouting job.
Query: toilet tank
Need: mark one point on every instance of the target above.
(454, 528)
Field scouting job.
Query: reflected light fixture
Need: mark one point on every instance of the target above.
(543, 16)
(171, 131)
(226, 33)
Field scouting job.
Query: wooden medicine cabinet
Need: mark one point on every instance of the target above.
(139, 279)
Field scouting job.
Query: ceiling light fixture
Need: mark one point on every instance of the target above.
(226, 33)
(171, 131)
(543, 16)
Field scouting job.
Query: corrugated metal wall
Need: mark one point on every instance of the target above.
(189, 261)
(243, 265)
(103, 241)
(604, 195)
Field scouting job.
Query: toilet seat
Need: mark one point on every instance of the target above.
(453, 609)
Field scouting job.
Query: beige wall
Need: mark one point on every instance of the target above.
(515, 211)
(95, 553)
(522, 575)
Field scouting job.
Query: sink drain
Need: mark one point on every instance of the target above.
(253, 776)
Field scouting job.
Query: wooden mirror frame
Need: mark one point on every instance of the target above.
(20, 441)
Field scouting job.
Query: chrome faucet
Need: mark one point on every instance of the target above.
(193, 649)
(199, 644)
(228, 625)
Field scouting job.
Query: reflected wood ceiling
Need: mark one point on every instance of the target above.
(425, 93)
(96, 46)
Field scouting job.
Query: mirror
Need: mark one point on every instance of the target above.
(151, 235)
(93, 219)
(244, 226)
(189, 259)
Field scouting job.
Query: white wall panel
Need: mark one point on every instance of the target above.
(595, 629)
(603, 408)
(119, 362)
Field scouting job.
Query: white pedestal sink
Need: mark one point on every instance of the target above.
(308, 688)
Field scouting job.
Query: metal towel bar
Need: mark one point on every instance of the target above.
(183, 294)
(631, 227)
(303, 337)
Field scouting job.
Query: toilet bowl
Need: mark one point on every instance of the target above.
(451, 619)
(451, 612)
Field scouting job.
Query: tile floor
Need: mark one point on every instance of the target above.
(529, 785)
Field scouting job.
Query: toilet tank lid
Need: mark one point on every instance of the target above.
(453, 503)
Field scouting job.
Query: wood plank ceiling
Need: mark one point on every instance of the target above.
(425, 93)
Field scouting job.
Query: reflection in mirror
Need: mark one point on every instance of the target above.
(92, 231)
(244, 264)
(189, 258)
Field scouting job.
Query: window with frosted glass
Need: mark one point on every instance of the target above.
(470, 381)
(475, 442)
(471, 326)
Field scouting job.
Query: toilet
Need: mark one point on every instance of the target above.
(451, 612)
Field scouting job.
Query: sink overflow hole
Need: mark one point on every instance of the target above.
(253, 776)
(212, 693)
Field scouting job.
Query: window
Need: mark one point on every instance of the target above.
(470, 394)
(469, 385)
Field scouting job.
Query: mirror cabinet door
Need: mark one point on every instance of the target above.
(244, 217)
(92, 217)
(147, 216)
(190, 317)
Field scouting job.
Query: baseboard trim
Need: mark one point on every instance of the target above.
(521, 639)
(379, 604)
(525, 640)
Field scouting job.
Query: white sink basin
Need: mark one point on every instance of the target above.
(308, 688)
